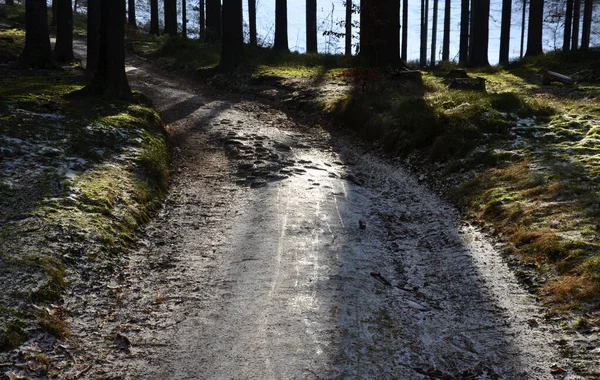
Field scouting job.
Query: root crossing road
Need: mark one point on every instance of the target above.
(282, 253)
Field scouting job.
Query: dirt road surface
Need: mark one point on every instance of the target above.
(283, 253)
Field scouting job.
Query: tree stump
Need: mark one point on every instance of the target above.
(468, 84)
(457, 73)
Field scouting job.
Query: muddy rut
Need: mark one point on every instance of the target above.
(283, 253)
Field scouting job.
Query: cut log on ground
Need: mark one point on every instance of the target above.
(550, 76)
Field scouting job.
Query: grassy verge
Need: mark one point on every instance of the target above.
(78, 176)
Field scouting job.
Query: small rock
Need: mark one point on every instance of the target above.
(362, 225)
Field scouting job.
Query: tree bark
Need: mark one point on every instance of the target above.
(93, 36)
(183, 18)
(348, 36)
(523, 27)
(404, 52)
(232, 51)
(534, 32)
(110, 79)
(37, 52)
(480, 20)
(213, 18)
(380, 32)
(505, 31)
(463, 54)
(170, 17)
(576, 17)
(424, 22)
(63, 50)
(434, 32)
(53, 20)
(311, 26)
(568, 26)
(587, 24)
(281, 26)
(252, 22)
(131, 13)
(154, 28)
(446, 42)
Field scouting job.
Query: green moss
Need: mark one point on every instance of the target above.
(12, 336)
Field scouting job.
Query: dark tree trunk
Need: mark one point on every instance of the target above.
(37, 52)
(131, 13)
(505, 31)
(63, 50)
(53, 20)
(523, 27)
(380, 38)
(281, 26)
(110, 79)
(202, 19)
(587, 24)
(183, 18)
(534, 32)
(93, 36)
(232, 51)
(434, 32)
(404, 53)
(252, 21)
(424, 22)
(75, 6)
(576, 17)
(463, 53)
(568, 26)
(311, 26)
(446, 42)
(480, 20)
(154, 28)
(348, 36)
(170, 17)
(213, 17)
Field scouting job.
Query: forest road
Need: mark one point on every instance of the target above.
(282, 253)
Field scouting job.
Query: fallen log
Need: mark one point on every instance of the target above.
(550, 76)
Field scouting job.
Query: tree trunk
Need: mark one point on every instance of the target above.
(37, 52)
(131, 13)
(505, 31)
(446, 42)
(587, 24)
(576, 16)
(434, 32)
(281, 26)
(63, 50)
(75, 6)
(53, 20)
(311, 26)
(154, 29)
(183, 18)
(252, 21)
(93, 36)
(110, 79)
(568, 26)
(463, 54)
(348, 36)
(213, 18)
(534, 32)
(480, 20)
(424, 22)
(170, 17)
(232, 51)
(404, 53)
(523, 27)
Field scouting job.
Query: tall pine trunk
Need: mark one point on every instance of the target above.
(404, 51)
(434, 33)
(446, 42)
(281, 26)
(53, 19)
(587, 24)
(202, 16)
(424, 22)
(154, 28)
(463, 53)
(93, 36)
(534, 32)
(232, 51)
(348, 36)
(131, 13)
(63, 50)
(170, 17)
(568, 26)
(252, 22)
(576, 17)
(523, 14)
(183, 18)
(110, 79)
(380, 32)
(213, 18)
(505, 31)
(37, 52)
(480, 20)
(311, 26)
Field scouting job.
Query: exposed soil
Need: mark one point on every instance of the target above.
(284, 253)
